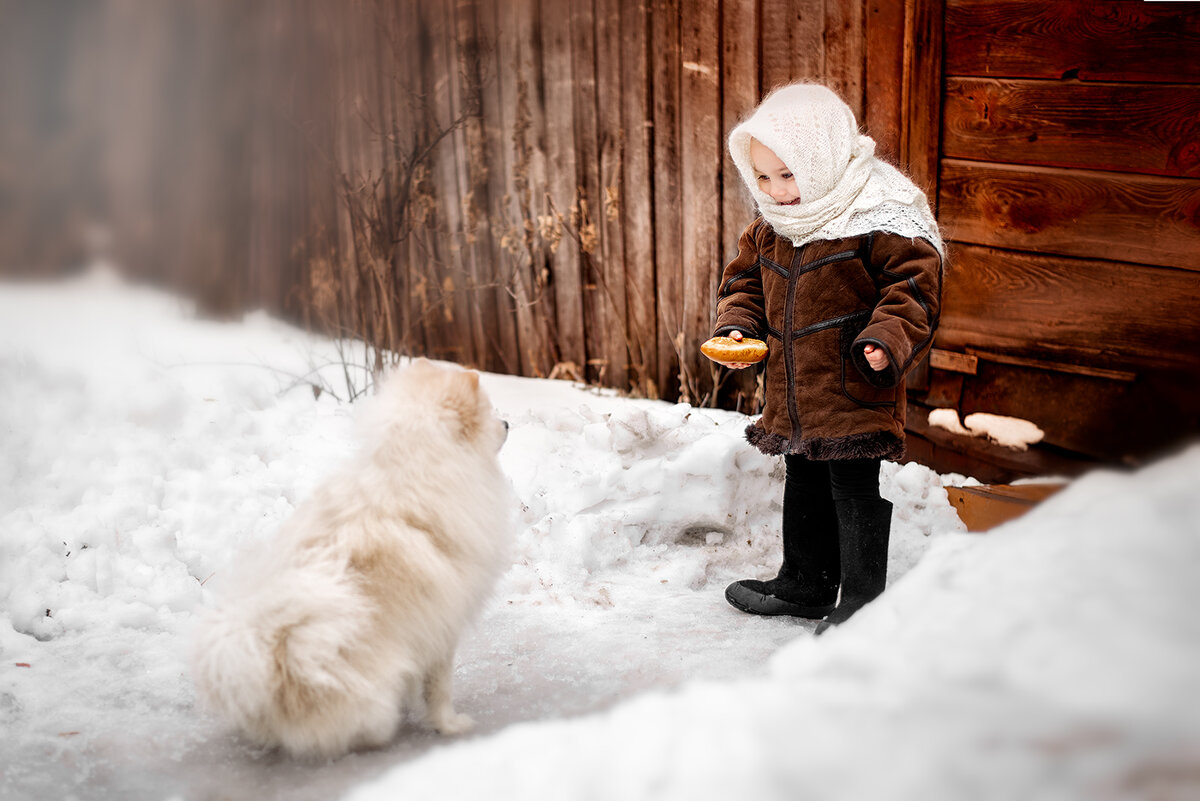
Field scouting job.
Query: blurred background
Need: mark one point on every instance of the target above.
(540, 187)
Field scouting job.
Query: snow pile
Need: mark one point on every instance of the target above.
(1054, 658)
(143, 449)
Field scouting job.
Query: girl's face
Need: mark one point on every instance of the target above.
(772, 175)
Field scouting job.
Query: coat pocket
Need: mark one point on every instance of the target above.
(854, 385)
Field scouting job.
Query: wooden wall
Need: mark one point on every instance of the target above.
(1069, 183)
(540, 186)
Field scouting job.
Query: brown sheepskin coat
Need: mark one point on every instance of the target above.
(817, 306)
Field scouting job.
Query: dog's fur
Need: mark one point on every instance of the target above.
(324, 639)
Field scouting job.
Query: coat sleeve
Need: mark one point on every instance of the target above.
(740, 305)
(908, 275)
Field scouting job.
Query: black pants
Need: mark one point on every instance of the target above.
(838, 480)
(811, 547)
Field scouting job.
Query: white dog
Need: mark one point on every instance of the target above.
(327, 637)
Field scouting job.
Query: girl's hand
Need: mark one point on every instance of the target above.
(739, 365)
(875, 357)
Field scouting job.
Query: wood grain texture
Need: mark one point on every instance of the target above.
(562, 182)
(793, 47)
(1088, 312)
(448, 278)
(637, 197)
(884, 76)
(494, 344)
(510, 205)
(946, 452)
(609, 259)
(588, 207)
(495, 179)
(1100, 418)
(1145, 219)
(846, 52)
(1071, 124)
(667, 178)
(739, 94)
(921, 95)
(701, 150)
(1092, 40)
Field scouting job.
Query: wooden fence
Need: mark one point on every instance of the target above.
(540, 187)
(527, 186)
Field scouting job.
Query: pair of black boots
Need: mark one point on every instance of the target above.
(827, 545)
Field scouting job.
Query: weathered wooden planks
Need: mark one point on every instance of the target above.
(1145, 219)
(739, 94)
(1122, 127)
(845, 45)
(562, 183)
(921, 96)
(701, 152)
(884, 73)
(793, 46)
(1091, 40)
(668, 221)
(637, 198)
(1080, 311)
(609, 259)
(1083, 414)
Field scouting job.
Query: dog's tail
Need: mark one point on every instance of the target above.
(285, 639)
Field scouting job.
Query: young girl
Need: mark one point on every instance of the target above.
(841, 274)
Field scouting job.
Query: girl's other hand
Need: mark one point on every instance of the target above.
(875, 357)
(739, 365)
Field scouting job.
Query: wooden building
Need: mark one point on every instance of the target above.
(540, 186)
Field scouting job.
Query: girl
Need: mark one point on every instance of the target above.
(841, 274)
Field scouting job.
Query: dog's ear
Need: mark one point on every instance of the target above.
(463, 398)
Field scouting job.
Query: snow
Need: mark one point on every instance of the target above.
(1011, 432)
(142, 449)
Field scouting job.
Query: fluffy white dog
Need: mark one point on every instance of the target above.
(323, 641)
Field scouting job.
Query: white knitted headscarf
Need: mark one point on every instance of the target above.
(844, 190)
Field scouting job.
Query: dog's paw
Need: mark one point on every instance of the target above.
(451, 723)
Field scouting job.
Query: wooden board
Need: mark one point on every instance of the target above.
(846, 53)
(986, 506)
(1090, 311)
(637, 198)
(1071, 124)
(1146, 219)
(884, 74)
(739, 95)
(976, 457)
(513, 219)
(493, 179)
(1113, 420)
(701, 151)
(562, 182)
(1092, 40)
(668, 185)
(921, 97)
(447, 279)
(610, 256)
(793, 48)
(493, 345)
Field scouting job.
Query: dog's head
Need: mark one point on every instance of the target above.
(444, 403)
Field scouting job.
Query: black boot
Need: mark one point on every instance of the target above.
(864, 526)
(807, 583)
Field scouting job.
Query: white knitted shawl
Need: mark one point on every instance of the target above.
(844, 190)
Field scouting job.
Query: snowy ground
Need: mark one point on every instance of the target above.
(141, 449)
